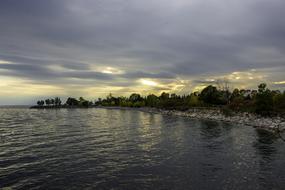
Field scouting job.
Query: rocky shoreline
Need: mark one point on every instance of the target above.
(271, 124)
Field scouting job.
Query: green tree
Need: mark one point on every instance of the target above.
(210, 95)
(152, 100)
(263, 100)
(193, 100)
(235, 94)
(135, 97)
(279, 102)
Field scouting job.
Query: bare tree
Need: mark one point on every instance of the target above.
(223, 84)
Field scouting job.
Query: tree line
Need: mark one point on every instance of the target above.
(70, 102)
(50, 102)
(262, 101)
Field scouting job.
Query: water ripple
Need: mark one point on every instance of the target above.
(120, 149)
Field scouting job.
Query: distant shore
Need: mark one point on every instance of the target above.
(59, 107)
(271, 124)
(262, 108)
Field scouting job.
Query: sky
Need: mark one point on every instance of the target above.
(91, 48)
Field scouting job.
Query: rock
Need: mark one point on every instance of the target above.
(239, 118)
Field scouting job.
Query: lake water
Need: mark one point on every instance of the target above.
(127, 149)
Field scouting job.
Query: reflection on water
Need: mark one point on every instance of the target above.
(121, 149)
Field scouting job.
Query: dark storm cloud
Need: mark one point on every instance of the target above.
(41, 72)
(164, 39)
(35, 72)
(26, 71)
(68, 64)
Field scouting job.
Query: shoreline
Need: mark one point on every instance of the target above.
(270, 124)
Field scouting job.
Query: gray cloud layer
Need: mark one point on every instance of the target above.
(146, 39)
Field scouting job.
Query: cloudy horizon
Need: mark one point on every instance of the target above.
(93, 47)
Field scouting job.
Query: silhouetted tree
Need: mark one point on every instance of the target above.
(52, 101)
(57, 101)
(72, 102)
(48, 102)
(164, 96)
(40, 103)
(85, 103)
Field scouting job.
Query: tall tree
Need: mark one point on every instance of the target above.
(264, 100)
(210, 95)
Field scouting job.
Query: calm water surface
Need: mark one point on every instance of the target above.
(121, 149)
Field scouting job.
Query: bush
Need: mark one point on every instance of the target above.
(279, 102)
